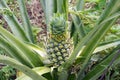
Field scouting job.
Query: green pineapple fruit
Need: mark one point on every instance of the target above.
(58, 46)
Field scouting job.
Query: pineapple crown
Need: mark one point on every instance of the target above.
(58, 24)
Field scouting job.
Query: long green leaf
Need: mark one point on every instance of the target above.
(13, 52)
(62, 7)
(63, 75)
(80, 4)
(41, 52)
(78, 32)
(43, 4)
(21, 67)
(12, 21)
(25, 19)
(99, 68)
(39, 70)
(49, 10)
(78, 24)
(117, 14)
(104, 46)
(34, 59)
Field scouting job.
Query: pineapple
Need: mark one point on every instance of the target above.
(57, 45)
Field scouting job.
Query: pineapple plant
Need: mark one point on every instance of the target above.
(28, 57)
(58, 46)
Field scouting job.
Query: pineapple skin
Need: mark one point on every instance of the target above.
(58, 47)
